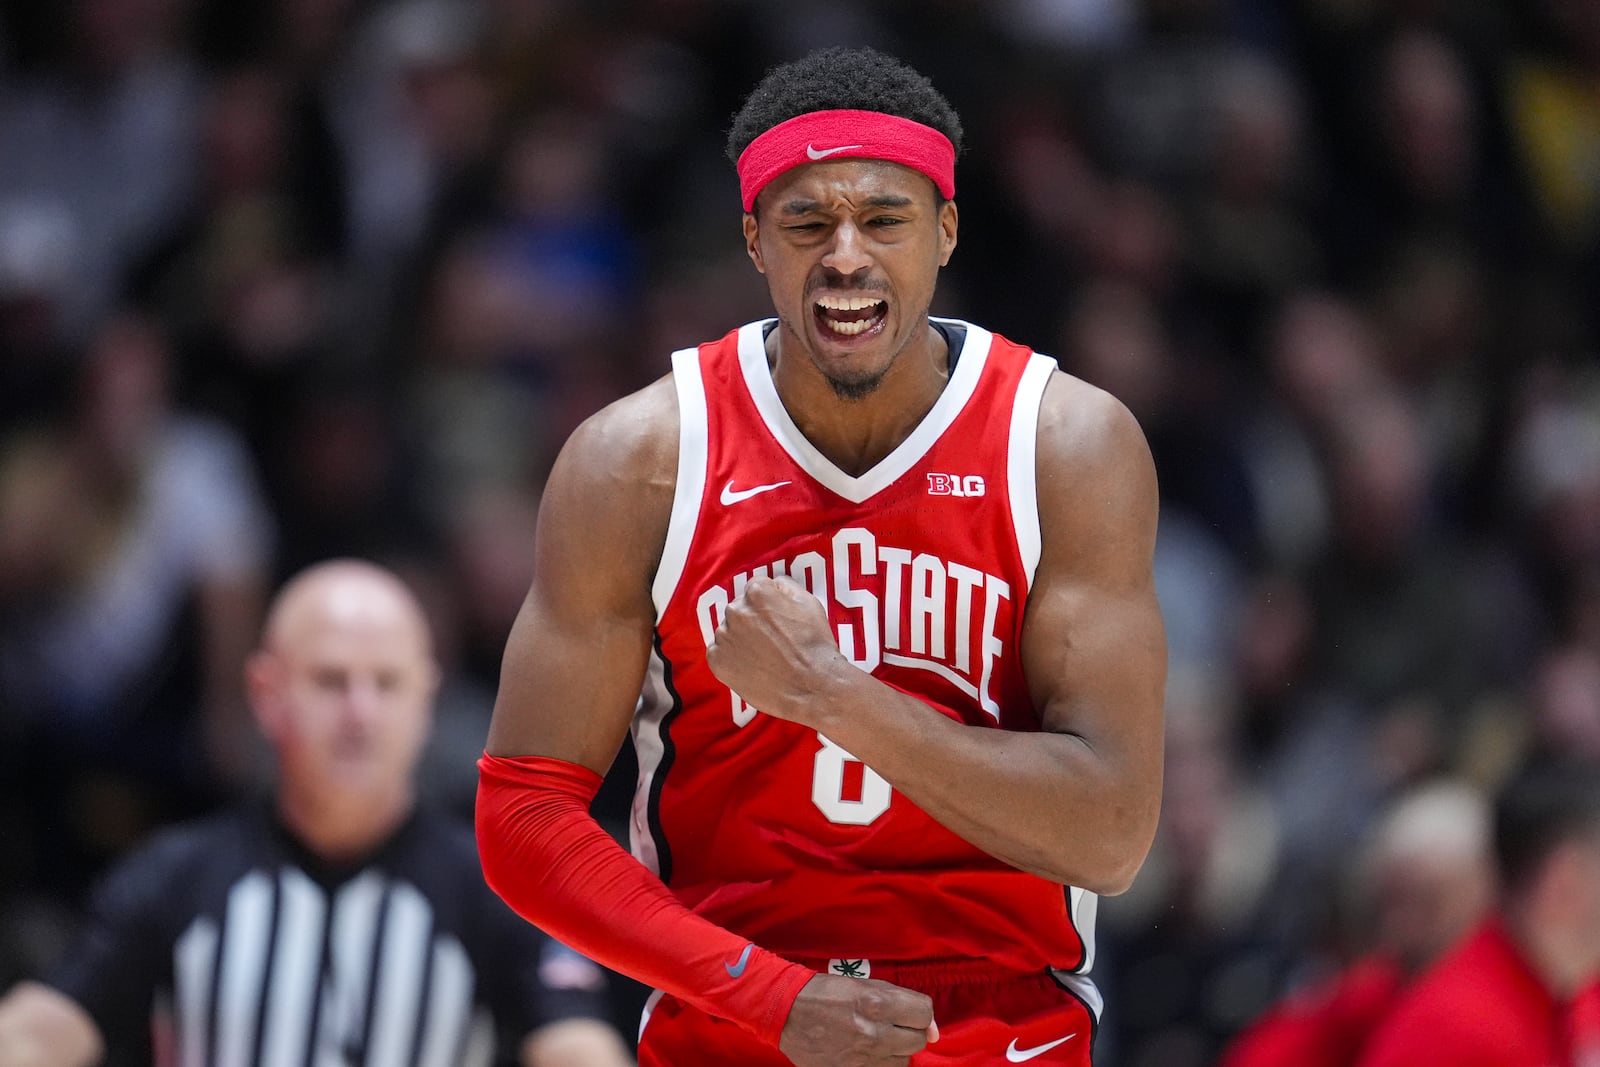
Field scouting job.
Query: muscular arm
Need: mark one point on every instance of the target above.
(40, 1027)
(570, 680)
(1076, 803)
(577, 654)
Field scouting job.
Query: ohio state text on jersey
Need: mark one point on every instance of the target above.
(924, 564)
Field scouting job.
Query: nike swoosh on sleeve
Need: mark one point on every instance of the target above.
(735, 970)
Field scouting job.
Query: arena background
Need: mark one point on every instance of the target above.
(283, 279)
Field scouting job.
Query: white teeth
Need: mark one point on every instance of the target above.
(849, 303)
(848, 328)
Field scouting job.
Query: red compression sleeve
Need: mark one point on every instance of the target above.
(546, 856)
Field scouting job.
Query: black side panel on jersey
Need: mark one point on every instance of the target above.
(669, 753)
(1094, 1020)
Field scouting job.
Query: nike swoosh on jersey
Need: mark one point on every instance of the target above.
(1023, 1055)
(730, 495)
(737, 969)
(812, 152)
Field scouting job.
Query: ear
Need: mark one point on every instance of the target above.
(752, 240)
(263, 675)
(948, 220)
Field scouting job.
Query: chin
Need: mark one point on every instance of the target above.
(855, 388)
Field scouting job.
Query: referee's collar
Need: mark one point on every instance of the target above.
(327, 871)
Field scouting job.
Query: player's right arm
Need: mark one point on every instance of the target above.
(43, 1027)
(577, 653)
(569, 684)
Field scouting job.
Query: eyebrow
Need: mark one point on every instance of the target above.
(803, 206)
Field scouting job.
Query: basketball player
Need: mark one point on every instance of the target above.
(343, 925)
(880, 587)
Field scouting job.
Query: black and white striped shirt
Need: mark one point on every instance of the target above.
(226, 943)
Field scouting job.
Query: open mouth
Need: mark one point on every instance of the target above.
(850, 315)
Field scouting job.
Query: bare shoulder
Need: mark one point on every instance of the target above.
(632, 441)
(1096, 478)
(578, 649)
(612, 484)
(1087, 425)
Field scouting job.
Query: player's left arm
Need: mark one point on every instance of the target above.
(1077, 802)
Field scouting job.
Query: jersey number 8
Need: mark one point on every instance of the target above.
(828, 787)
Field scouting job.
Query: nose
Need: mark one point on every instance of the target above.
(847, 252)
(363, 701)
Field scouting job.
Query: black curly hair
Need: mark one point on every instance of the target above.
(841, 78)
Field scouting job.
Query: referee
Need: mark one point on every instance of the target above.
(338, 925)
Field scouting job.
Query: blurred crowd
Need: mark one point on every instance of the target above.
(286, 279)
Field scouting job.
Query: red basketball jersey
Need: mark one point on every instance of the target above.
(924, 564)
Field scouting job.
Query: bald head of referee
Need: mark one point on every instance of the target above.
(343, 687)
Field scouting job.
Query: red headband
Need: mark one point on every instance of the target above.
(841, 134)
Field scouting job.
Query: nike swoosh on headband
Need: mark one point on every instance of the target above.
(813, 152)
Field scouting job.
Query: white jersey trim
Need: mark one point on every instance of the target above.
(648, 1010)
(1022, 460)
(1084, 907)
(650, 747)
(963, 381)
(1081, 987)
(691, 475)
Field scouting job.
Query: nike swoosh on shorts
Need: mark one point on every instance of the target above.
(1023, 1055)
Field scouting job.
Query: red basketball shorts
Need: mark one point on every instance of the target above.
(986, 1017)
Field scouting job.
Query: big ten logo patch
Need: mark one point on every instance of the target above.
(955, 485)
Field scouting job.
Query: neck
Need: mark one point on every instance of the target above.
(856, 434)
(342, 826)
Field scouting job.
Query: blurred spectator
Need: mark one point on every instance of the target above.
(1394, 611)
(1422, 158)
(1115, 338)
(1425, 879)
(523, 313)
(474, 588)
(1158, 100)
(478, 401)
(1523, 989)
(1430, 309)
(1553, 468)
(104, 135)
(411, 110)
(1070, 25)
(1312, 751)
(1250, 243)
(38, 247)
(245, 279)
(337, 476)
(1549, 92)
(135, 540)
(1184, 956)
(1321, 360)
(1565, 712)
(559, 239)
